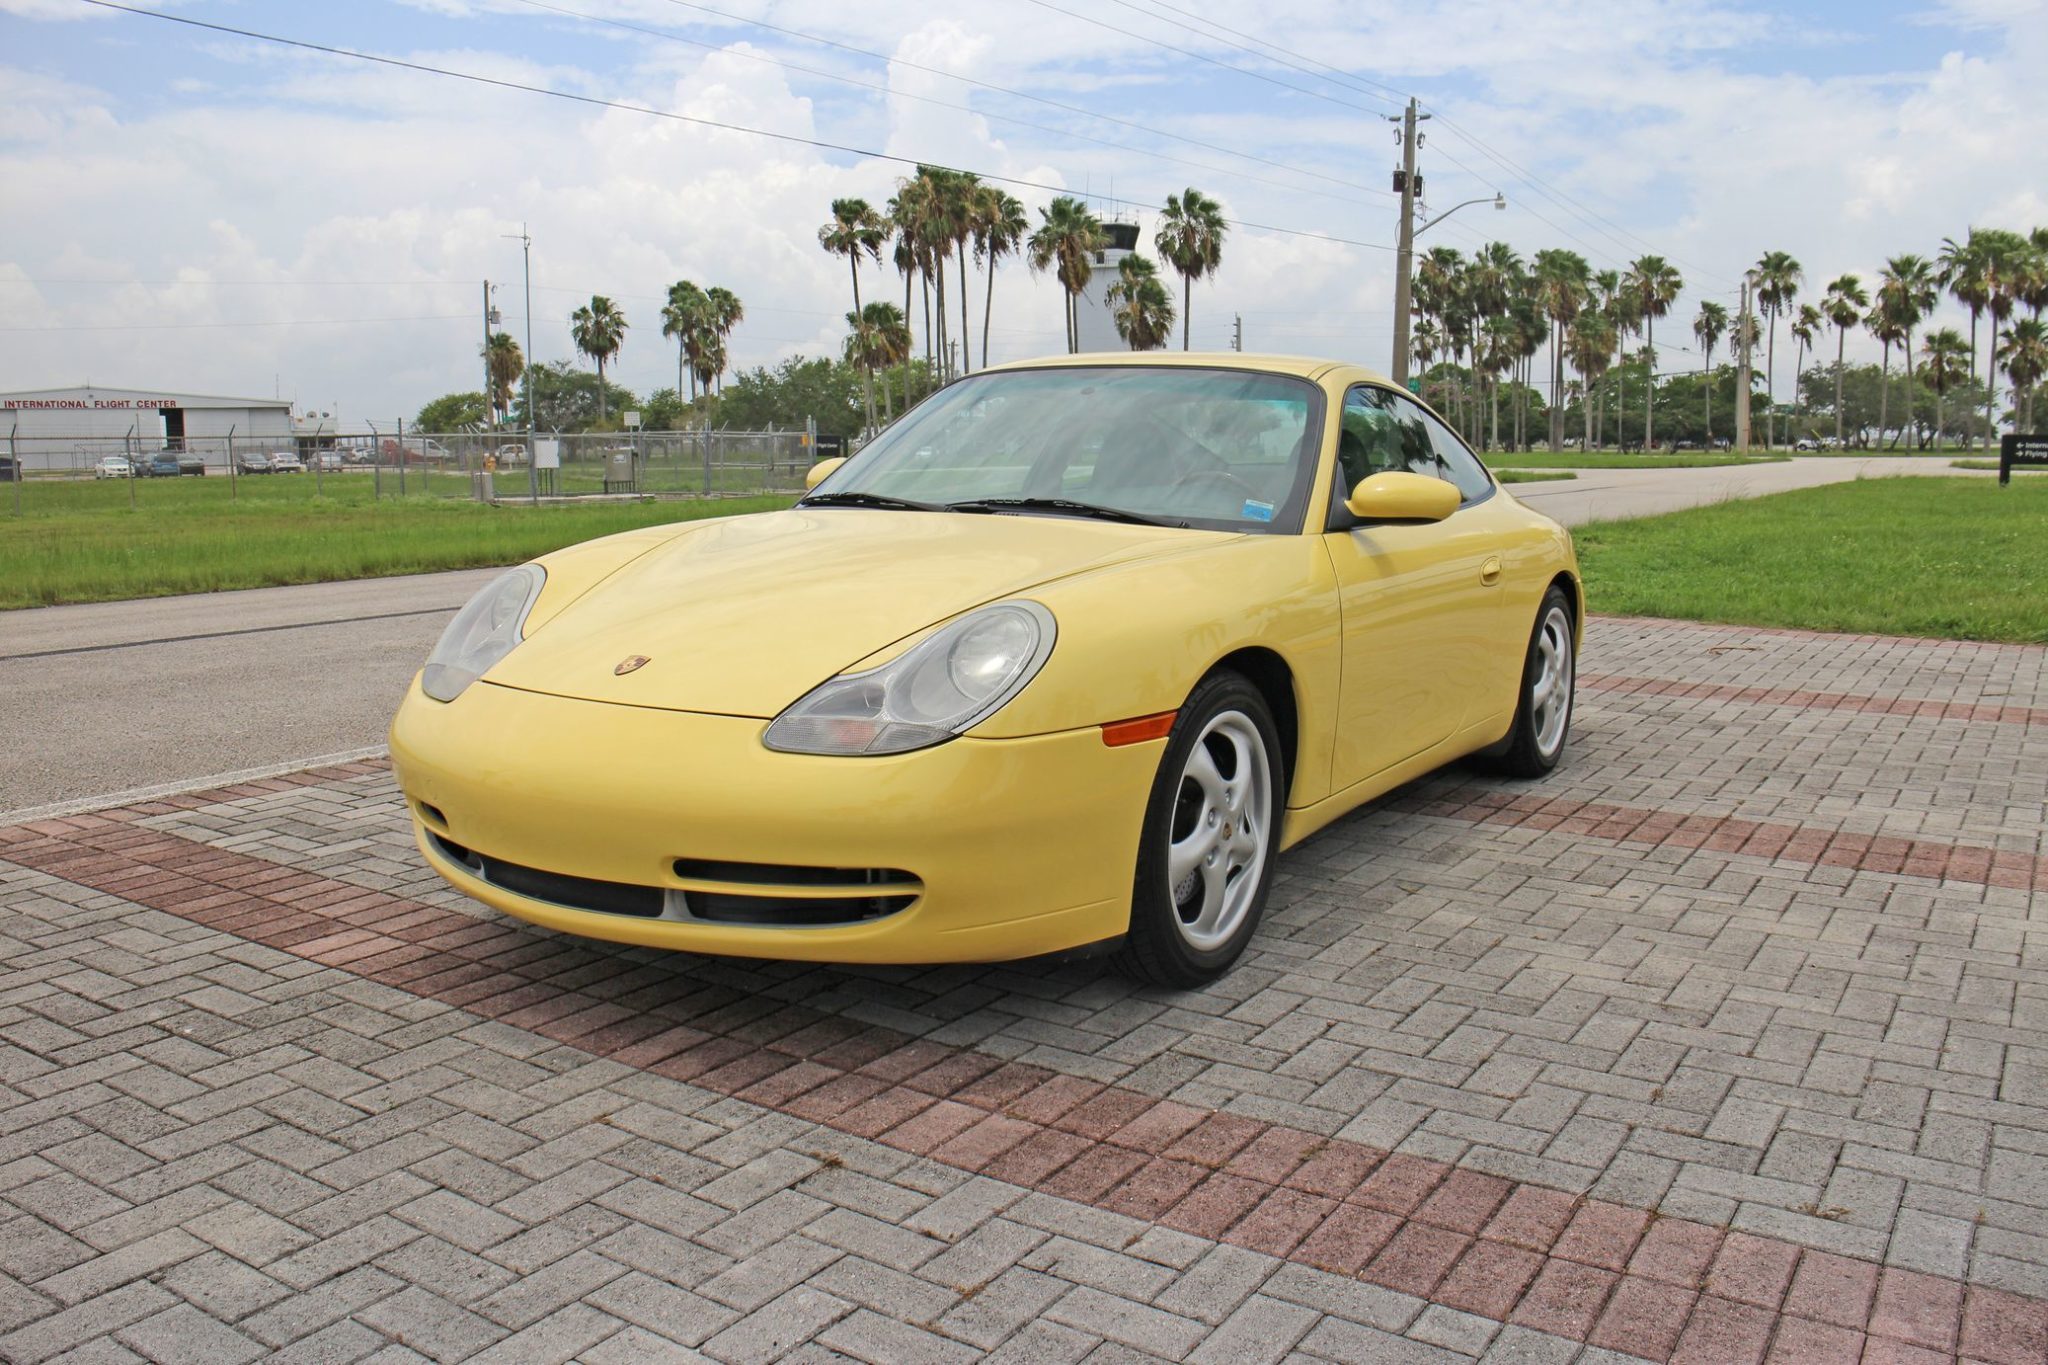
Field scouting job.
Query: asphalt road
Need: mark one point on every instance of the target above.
(118, 698)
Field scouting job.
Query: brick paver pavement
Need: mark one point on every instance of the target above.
(1724, 1043)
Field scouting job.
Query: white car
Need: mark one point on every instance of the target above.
(285, 462)
(512, 452)
(112, 467)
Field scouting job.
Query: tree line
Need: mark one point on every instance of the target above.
(939, 219)
(1488, 318)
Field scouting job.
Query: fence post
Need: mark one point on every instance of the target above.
(234, 484)
(704, 438)
(129, 441)
(20, 474)
(401, 457)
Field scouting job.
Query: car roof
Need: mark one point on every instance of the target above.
(1302, 367)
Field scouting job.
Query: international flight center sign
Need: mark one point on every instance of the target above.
(88, 404)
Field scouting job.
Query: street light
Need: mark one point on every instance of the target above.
(1499, 201)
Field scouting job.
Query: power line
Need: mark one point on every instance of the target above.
(802, 36)
(282, 322)
(1204, 57)
(501, 83)
(764, 59)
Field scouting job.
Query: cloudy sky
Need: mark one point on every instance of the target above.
(188, 209)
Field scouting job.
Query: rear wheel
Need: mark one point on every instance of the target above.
(1549, 675)
(1211, 837)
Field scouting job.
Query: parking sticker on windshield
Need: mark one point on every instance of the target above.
(1257, 511)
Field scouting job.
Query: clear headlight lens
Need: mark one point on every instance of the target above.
(946, 684)
(483, 632)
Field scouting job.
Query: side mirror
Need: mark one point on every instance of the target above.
(1396, 496)
(822, 471)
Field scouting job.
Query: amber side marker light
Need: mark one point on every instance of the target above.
(1137, 730)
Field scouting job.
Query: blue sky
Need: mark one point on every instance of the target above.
(218, 214)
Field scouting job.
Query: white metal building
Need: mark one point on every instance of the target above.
(69, 428)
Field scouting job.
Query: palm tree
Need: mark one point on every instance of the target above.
(1944, 352)
(999, 227)
(599, 330)
(1843, 305)
(1806, 326)
(2005, 277)
(1965, 273)
(1653, 285)
(1139, 304)
(855, 230)
(1908, 286)
(1423, 343)
(1562, 286)
(1190, 239)
(962, 191)
(723, 311)
(2025, 357)
(681, 318)
(1490, 287)
(1066, 240)
(1708, 327)
(1885, 326)
(876, 337)
(1590, 346)
(504, 363)
(906, 210)
(1778, 278)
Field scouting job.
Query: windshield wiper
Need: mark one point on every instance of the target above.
(856, 499)
(1067, 505)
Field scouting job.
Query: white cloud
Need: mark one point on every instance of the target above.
(310, 189)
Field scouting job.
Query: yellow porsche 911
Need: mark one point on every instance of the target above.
(1061, 661)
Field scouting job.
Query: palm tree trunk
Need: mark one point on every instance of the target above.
(1649, 382)
(1909, 384)
(1556, 385)
(1841, 335)
(1884, 393)
(867, 370)
(944, 332)
(925, 291)
(988, 304)
(1771, 385)
(600, 388)
(1586, 411)
(966, 328)
(1187, 297)
(1707, 384)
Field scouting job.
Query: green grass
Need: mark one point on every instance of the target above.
(1532, 475)
(1603, 459)
(1943, 557)
(80, 542)
(1993, 466)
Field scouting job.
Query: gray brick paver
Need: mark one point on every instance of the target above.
(1841, 1058)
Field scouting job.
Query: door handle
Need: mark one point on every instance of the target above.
(1489, 572)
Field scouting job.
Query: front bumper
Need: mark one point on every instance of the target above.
(1019, 846)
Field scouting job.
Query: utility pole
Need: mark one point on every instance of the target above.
(1404, 256)
(490, 318)
(1742, 340)
(526, 373)
(1237, 333)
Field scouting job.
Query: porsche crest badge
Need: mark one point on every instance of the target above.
(629, 663)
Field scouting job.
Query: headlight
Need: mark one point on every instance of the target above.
(943, 686)
(483, 632)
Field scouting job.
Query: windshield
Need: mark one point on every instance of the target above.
(1224, 449)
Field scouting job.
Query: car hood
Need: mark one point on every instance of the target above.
(741, 616)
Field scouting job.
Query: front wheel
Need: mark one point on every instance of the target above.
(1549, 674)
(1211, 837)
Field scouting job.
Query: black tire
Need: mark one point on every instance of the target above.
(1525, 753)
(1225, 714)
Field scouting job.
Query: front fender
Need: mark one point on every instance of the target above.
(1135, 638)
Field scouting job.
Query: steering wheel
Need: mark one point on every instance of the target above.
(1221, 473)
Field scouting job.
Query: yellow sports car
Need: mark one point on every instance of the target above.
(1061, 661)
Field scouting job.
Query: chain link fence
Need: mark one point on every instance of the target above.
(399, 462)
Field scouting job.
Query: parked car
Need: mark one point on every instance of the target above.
(1806, 443)
(188, 463)
(164, 464)
(512, 452)
(1099, 639)
(325, 459)
(254, 463)
(112, 467)
(285, 462)
(10, 469)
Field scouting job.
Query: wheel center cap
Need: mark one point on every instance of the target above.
(1226, 829)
